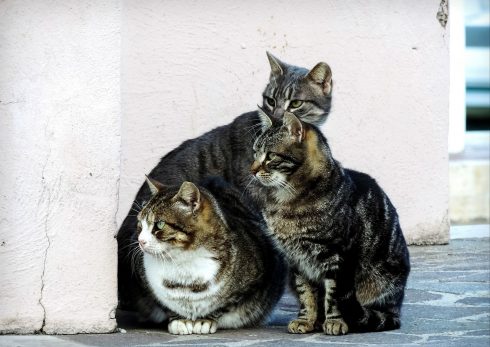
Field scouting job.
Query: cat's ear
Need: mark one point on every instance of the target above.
(190, 196)
(276, 65)
(154, 185)
(322, 74)
(264, 119)
(294, 126)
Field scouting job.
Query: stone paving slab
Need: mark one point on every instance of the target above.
(447, 304)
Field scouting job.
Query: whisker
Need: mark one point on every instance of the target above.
(132, 244)
(134, 258)
(286, 186)
(140, 206)
(252, 177)
(255, 129)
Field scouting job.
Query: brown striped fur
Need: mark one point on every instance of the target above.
(217, 264)
(337, 228)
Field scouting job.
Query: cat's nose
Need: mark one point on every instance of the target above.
(143, 243)
(255, 167)
(278, 113)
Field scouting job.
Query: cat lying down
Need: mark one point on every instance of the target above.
(206, 257)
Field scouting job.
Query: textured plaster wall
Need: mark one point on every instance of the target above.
(59, 168)
(189, 66)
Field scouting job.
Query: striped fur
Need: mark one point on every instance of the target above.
(225, 151)
(307, 93)
(337, 228)
(207, 259)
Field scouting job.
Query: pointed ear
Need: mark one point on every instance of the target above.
(276, 65)
(154, 185)
(264, 119)
(190, 196)
(294, 126)
(322, 75)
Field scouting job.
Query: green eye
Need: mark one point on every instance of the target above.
(296, 103)
(160, 225)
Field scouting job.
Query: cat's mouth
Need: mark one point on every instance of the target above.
(148, 250)
(267, 180)
(157, 253)
(280, 185)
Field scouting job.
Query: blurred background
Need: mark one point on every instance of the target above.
(470, 140)
(477, 54)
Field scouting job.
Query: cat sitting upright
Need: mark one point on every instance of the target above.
(206, 257)
(337, 228)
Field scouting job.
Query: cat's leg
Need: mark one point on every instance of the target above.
(382, 314)
(334, 322)
(378, 298)
(307, 295)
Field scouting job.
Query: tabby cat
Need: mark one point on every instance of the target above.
(227, 152)
(206, 257)
(337, 228)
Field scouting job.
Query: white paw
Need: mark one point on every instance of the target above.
(180, 327)
(205, 326)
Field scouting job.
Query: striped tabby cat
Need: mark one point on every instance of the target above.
(227, 152)
(207, 259)
(337, 228)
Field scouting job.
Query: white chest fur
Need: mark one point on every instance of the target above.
(185, 268)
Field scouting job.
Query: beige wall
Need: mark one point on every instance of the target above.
(188, 67)
(59, 167)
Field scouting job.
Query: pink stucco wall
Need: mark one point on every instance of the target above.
(188, 67)
(59, 168)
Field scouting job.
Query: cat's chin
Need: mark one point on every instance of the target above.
(267, 183)
(155, 254)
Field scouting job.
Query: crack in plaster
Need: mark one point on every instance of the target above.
(46, 220)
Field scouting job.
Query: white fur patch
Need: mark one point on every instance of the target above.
(185, 268)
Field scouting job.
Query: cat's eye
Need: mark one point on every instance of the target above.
(160, 225)
(270, 101)
(271, 156)
(296, 103)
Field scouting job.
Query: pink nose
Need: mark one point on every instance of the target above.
(142, 243)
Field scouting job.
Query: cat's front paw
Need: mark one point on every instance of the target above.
(204, 326)
(300, 326)
(180, 327)
(335, 326)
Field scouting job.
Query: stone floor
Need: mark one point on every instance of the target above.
(447, 304)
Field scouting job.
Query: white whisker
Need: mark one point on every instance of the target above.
(252, 178)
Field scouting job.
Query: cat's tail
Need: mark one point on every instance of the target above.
(375, 320)
(364, 319)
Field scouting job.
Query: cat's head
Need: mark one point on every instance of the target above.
(287, 152)
(177, 218)
(295, 89)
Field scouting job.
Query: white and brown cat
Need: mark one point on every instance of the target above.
(206, 258)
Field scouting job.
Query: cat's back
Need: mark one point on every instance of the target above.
(366, 188)
(219, 152)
